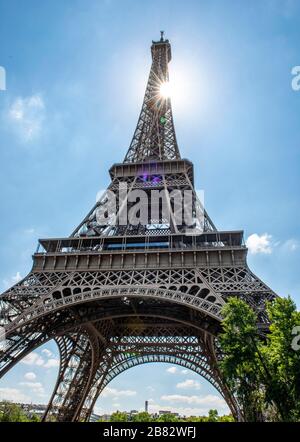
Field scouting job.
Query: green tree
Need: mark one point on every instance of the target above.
(34, 418)
(10, 412)
(263, 373)
(168, 417)
(239, 341)
(119, 416)
(282, 360)
(213, 416)
(143, 417)
(226, 418)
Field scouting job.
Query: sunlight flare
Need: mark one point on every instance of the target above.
(165, 89)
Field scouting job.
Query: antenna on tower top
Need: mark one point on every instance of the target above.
(162, 35)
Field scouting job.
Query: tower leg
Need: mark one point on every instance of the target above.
(79, 361)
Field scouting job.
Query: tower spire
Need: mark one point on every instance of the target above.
(154, 137)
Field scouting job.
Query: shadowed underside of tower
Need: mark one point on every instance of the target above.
(118, 293)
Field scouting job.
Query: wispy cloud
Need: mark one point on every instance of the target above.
(52, 362)
(29, 231)
(189, 383)
(30, 376)
(116, 405)
(291, 245)
(12, 280)
(26, 116)
(47, 352)
(176, 370)
(113, 392)
(209, 400)
(172, 370)
(13, 394)
(33, 359)
(35, 387)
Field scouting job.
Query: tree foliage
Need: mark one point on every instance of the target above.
(143, 416)
(119, 416)
(10, 412)
(168, 417)
(262, 372)
(282, 360)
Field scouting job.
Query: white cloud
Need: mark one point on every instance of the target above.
(12, 280)
(16, 278)
(26, 116)
(209, 400)
(30, 376)
(52, 363)
(259, 243)
(189, 383)
(113, 392)
(33, 359)
(47, 352)
(172, 370)
(36, 387)
(150, 388)
(265, 244)
(98, 410)
(13, 394)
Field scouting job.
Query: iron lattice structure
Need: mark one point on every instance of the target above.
(115, 296)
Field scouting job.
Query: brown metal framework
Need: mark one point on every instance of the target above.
(115, 296)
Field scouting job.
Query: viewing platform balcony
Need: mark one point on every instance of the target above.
(172, 242)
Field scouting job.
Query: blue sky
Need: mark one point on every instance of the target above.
(76, 73)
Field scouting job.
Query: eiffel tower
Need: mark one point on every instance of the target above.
(115, 295)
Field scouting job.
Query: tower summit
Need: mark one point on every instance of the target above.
(154, 137)
(117, 294)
